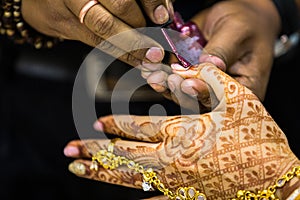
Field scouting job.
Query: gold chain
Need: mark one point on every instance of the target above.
(108, 160)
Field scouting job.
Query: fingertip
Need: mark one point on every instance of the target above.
(71, 151)
(161, 14)
(214, 60)
(77, 168)
(188, 88)
(98, 126)
(155, 54)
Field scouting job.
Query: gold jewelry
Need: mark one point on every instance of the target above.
(85, 9)
(108, 160)
(270, 192)
(13, 26)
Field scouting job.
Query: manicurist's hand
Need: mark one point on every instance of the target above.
(102, 21)
(241, 37)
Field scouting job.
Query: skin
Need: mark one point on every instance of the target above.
(236, 146)
(241, 37)
(59, 18)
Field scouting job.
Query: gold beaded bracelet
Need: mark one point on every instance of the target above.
(14, 27)
(108, 160)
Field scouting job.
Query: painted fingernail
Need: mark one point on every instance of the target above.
(154, 54)
(214, 60)
(77, 168)
(178, 67)
(98, 126)
(70, 151)
(161, 14)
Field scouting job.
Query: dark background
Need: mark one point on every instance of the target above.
(36, 119)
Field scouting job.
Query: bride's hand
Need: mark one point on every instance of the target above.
(236, 146)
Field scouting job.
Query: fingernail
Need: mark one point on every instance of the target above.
(178, 67)
(161, 14)
(154, 54)
(189, 90)
(214, 60)
(77, 168)
(70, 151)
(98, 126)
(158, 87)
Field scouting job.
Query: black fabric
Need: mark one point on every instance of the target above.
(290, 21)
(282, 96)
(36, 123)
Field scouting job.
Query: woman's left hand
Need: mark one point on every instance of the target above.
(235, 146)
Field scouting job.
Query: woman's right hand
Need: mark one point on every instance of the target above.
(234, 147)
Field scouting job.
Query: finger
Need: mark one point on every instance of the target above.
(198, 88)
(142, 128)
(156, 67)
(147, 69)
(156, 11)
(185, 101)
(119, 176)
(126, 10)
(214, 77)
(107, 27)
(141, 152)
(158, 81)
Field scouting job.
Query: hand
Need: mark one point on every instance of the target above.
(235, 146)
(241, 37)
(108, 18)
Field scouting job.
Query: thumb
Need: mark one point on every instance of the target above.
(226, 44)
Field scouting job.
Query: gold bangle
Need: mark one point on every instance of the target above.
(108, 160)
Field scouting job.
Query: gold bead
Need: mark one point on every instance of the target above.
(38, 44)
(7, 14)
(16, 14)
(10, 32)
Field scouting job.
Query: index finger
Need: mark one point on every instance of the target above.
(108, 27)
(126, 10)
(158, 10)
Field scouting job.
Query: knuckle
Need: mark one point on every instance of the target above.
(103, 24)
(109, 48)
(128, 58)
(121, 7)
(95, 40)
